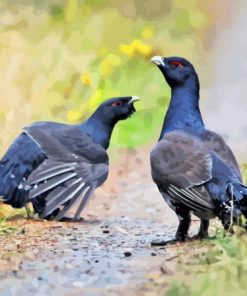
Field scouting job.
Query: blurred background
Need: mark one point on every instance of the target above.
(60, 58)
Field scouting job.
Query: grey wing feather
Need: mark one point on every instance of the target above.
(50, 184)
(86, 197)
(74, 166)
(179, 197)
(67, 142)
(181, 165)
(48, 169)
(68, 184)
(181, 159)
(71, 202)
(56, 200)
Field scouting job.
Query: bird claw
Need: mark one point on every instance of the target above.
(179, 240)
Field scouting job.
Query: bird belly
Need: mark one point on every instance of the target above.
(204, 215)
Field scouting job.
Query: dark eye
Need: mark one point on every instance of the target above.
(176, 64)
(114, 104)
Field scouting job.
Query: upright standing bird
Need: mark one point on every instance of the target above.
(194, 169)
(54, 165)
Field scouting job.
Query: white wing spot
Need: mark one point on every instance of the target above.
(27, 187)
(20, 186)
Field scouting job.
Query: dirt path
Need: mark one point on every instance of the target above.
(109, 253)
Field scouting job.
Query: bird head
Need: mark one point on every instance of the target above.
(176, 70)
(118, 108)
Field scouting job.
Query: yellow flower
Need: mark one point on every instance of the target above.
(108, 65)
(73, 116)
(85, 79)
(135, 48)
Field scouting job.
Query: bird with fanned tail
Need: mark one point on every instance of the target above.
(193, 168)
(54, 165)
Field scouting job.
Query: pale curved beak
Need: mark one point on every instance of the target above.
(158, 60)
(134, 99)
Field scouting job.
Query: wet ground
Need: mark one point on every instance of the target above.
(108, 253)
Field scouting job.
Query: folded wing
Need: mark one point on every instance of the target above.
(74, 167)
(181, 165)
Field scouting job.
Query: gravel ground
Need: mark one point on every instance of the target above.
(108, 253)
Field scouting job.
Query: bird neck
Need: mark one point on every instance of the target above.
(99, 128)
(183, 110)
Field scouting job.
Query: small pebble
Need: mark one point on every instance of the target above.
(106, 231)
(127, 254)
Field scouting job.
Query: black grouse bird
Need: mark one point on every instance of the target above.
(193, 168)
(55, 165)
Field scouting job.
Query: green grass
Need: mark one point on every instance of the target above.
(217, 267)
(6, 228)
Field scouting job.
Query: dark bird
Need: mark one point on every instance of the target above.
(193, 168)
(54, 165)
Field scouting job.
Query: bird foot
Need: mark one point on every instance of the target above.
(156, 243)
(68, 219)
(200, 236)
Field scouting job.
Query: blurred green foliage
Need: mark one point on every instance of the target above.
(60, 59)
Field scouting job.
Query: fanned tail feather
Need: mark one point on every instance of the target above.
(54, 200)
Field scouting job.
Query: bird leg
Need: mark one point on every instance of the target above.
(184, 218)
(203, 230)
(28, 211)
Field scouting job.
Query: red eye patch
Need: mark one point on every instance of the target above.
(177, 64)
(116, 104)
